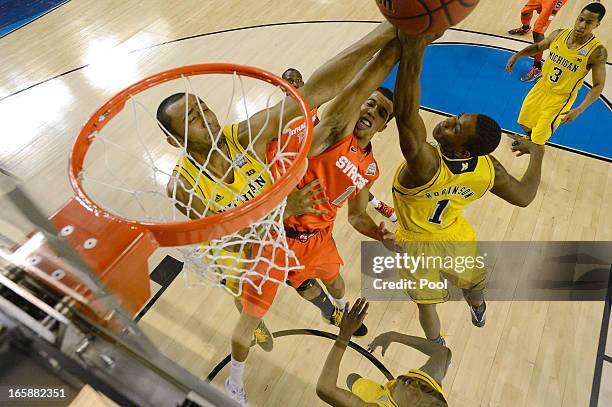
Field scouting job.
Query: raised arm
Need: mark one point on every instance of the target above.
(343, 111)
(520, 193)
(327, 385)
(327, 81)
(412, 132)
(532, 49)
(439, 356)
(597, 62)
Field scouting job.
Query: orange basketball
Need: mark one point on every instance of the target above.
(425, 16)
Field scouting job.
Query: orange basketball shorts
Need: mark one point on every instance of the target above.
(319, 257)
(546, 9)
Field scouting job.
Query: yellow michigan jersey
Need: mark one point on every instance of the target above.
(433, 211)
(250, 176)
(565, 68)
(250, 179)
(563, 74)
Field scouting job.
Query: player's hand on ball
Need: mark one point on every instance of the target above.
(302, 201)
(569, 116)
(353, 318)
(382, 340)
(510, 63)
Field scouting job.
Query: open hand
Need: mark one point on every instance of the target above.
(353, 318)
(569, 116)
(521, 145)
(302, 201)
(382, 340)
(510, 63)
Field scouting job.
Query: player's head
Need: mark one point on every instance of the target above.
(375, 113)
(171, 114)
(589, 18)
(408, 392)
(468, 135)
(294, 77)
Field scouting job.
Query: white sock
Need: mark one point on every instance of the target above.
(237, 372)
(374, 202)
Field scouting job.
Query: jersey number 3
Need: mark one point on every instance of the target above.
(440, 208)
(555, 75)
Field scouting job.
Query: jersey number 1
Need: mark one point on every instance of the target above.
(440, 208)
(344, 195)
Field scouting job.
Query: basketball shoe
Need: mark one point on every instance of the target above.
(236, 393)
(387, 211)
(479, 315)
(520, 31)
(533, 75)
(336, 318)
(263, 337)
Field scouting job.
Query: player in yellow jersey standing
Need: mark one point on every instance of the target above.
(433, 185)
(573, 53)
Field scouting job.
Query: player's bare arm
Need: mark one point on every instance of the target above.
(327, 385)
(343, 111)
(520, 193)
(532, 49)
(324, 84)
(364, 224)
(597, 63)
(421, 156)
(439, 356)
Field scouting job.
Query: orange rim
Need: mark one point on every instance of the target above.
(210, 227)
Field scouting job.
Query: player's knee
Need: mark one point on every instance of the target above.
(306, 285)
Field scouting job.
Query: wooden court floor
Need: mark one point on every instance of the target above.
(529, 354)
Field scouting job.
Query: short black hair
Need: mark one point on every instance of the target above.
(290, 70)
(163, 119)
(596, 8)
(388, 93)
(487, 136)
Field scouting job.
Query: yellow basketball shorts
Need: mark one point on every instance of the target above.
(541, 111)
(440, 259)
(227, 265)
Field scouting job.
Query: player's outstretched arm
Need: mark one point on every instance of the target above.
(343, 111)
(520, 193)
(412, 132)
(327, 385)
(364, 224)
(439, 356)
(326, 82)
(597, 61)
(532, 49)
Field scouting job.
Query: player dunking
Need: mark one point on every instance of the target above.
(547, 10)
(201, 122)
(294, 77)
(341, 158)
(433, 185)
(573, 52)
(417, 387)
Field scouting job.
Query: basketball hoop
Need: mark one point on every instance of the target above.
(210, 227)
(129, 222)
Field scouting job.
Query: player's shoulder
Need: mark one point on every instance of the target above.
(599, 55)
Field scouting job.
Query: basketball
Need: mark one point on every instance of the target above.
(425, 16)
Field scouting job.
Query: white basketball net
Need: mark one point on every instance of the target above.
(129, 166)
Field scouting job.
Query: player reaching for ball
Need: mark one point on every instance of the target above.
(417, 387)
(433, 185)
